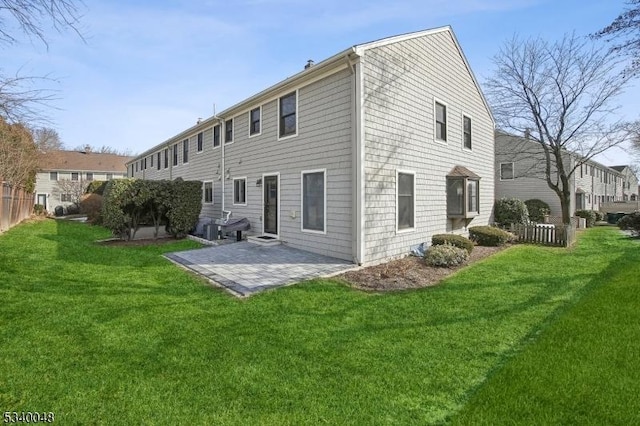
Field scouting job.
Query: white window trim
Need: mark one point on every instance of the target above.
(204, 182)
(203, 144)
(57, 176)
(413, 173)
(435, 122)
(313, 231)
(213, 136)
(223, 136)
(176, 148)
(249, 130)
(188, 141)
(513, 170)
(245, 190)
(462, 131)
(293, 135)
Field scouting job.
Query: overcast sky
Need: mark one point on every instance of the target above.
(148, 69)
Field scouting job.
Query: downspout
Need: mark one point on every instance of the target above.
(359, 164)
(223, 176)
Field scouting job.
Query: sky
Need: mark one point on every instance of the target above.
(145, 70)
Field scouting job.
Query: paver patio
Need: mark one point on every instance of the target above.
(244, 268)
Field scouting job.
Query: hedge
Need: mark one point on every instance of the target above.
(510, 210)
(537, 209)
(454, 240)
(489, 236)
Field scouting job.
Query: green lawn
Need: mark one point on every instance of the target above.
(112, 335)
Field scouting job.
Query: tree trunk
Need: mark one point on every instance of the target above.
(565, 204)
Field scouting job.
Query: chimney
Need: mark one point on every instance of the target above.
(87, 148)
(309, 64)
(199, 120)
(527, 133)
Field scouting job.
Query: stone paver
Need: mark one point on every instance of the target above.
(246, 268)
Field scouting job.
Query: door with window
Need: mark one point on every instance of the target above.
(42, 200)
(270, 200)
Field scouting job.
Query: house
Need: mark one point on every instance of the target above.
(63, 175)
(629, 183)
(358, 157)
(520, 174)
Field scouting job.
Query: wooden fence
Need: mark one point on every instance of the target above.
(549, 235)
(14, 208)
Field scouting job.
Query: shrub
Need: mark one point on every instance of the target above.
(96, 187)
(537, 209)
(38, 209)
(630, 222)
(510, 210)
(91, 205)
(599, 216)
(589, 215)
(445, 255)
(73, 209)
(454, 240)
(489, 236)
(184, 207)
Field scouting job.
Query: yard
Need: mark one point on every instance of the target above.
(118, 335)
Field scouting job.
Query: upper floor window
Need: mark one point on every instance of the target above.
(89, 176)
(158, 161)
(185, 151)
(166, 158)
(216, 136)
(175, 154)
(506, 171)
(53, 175)
(405, 203)
(228, 131)
(254, 121)
(200, 138)
(75, 176)
(466, 131)
(288, 123)
(151, 160)
(109, 176)
(441, 122)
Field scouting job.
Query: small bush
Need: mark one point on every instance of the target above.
(599, 216)
(445, 255)
(454, 240)
(73, 209)
(537, 209)
(510, 210)
(589, 215)
(489, 236)
(630, 222)
(38, 209)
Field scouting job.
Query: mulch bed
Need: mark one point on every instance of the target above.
(408, 273)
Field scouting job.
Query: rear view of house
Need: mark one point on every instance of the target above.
(359, 157)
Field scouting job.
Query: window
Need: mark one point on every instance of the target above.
(216, 136)
(207, 192)
(441, 122)
(228, 131)
(175, 154)
(75, 176)
(254, 122)
(136, 166)
(158, 161)
(199, 142)
(288, 116)
(313, 201)
(405, 204)
(53, 175)
(144, 163)
(109, 176)
(185, 151)
(466, 131)
(463, 193)
(506, 171)
(151, 161)
(65, 198)
(240, 191)
(89, 176)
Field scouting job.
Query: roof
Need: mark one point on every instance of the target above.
(342, 59)
(461, 171)
(618, 168)
(83, 161)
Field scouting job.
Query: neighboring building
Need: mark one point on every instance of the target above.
(520, 174)
(629, 183)
(64, 174)
(358, 157)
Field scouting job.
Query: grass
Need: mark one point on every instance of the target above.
(114, 335)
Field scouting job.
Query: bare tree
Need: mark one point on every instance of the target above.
(47, 139)
(561, 95)
(74, 189)
(624, 32)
